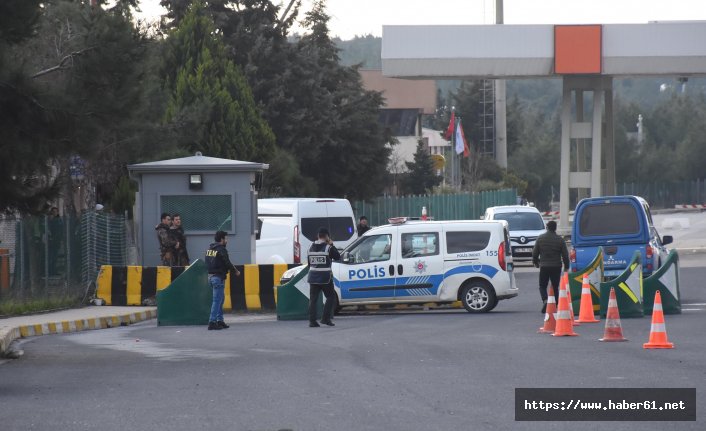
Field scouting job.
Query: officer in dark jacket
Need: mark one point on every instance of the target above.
(218, 265)
(181, 255)
(363, 225)
(321, 253)
(548, 254)
(167, 243)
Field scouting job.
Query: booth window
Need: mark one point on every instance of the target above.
(201, 212)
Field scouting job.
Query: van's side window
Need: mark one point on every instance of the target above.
(462, 242)
(374, 248)
(420, 244)
(340, 228)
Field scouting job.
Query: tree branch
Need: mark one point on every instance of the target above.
(284, 15)
(63, 61)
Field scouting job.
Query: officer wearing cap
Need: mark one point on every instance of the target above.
(321, 253)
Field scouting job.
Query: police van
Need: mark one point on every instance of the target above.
(427, 261)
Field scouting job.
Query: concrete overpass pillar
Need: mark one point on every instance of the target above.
(584, 177)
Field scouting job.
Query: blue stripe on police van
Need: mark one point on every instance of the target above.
(367, 282)
(487, 270)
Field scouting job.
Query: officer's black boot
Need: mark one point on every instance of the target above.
(213, 326)
(221, 324)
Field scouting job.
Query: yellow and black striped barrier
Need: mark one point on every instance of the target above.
(132, 285)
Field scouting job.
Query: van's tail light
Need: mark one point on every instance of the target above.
(649, 253)
(501, 256)
(297, 247)
(572, 258)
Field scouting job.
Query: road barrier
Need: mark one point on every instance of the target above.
(135, 285)
(628, 290)
(187, 300)
(691, 207)
(665, 280)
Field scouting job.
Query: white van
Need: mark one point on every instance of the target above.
(427, 261)
(525, 224)
(286, 227)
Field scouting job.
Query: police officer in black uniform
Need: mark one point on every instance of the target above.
(218, 265)
(321, 253)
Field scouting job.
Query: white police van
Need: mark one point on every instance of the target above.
(427, 261)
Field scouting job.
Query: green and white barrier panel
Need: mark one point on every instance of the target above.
(594, 272)
(628, 290)
(666, 280)
(293, 298)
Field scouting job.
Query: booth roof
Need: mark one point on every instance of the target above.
(198, 163)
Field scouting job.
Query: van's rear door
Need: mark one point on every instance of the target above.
(335, 215)
(617, 224)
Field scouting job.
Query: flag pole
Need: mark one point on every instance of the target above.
(453, 149)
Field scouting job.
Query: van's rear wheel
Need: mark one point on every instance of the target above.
(478, 297)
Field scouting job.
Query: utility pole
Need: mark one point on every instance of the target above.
(500, 106)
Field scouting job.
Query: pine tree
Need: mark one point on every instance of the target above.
(421, 177)
(351, 150)
(210, 103)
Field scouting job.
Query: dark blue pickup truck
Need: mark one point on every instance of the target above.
(621, 225)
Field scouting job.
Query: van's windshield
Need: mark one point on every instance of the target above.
(340, 228)
(521, 220)
(609, 219)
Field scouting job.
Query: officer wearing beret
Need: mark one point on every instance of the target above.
(321, 253)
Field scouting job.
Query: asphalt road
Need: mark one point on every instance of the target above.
(433, 370)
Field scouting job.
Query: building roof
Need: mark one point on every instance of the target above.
(200, 163)
(406, 146)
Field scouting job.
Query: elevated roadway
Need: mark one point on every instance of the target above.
(585, 57)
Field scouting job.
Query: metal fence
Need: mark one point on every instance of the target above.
(45, 257)
(460, 206)
(667, 194)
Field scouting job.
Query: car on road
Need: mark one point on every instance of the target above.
(621, 225)
(408, 262)
(525, 225)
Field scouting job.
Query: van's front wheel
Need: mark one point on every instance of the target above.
(478, 297)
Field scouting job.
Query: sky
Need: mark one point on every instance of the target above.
(350, 18)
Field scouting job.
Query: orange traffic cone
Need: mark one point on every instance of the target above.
(658, 332)
(565, 282)
(549, 320)
(613, 329)
(586, 309)
(563, 316)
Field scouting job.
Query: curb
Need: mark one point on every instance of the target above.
(67, 326)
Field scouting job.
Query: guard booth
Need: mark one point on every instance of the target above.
(209, 193)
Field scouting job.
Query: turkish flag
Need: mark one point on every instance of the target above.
(461, 144)
(450, 129)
